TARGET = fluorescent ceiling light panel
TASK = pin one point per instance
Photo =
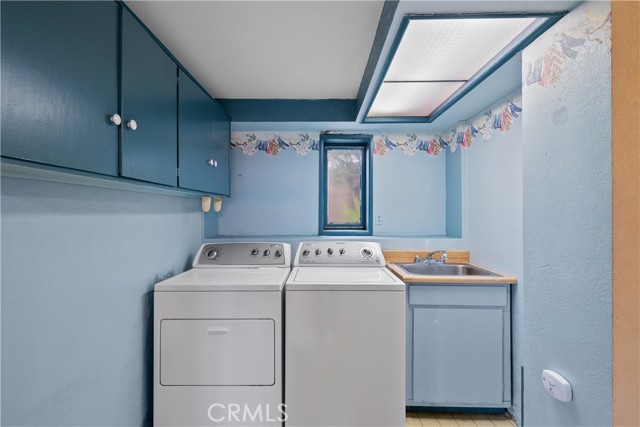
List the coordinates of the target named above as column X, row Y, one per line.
column 438, row 59
column 451, row 49
column 411, row 99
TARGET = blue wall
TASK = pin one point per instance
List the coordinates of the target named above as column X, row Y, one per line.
column 271, row 195
column 278, row 195
column 78, row 266
column 493, row 212
column 567, row 228
column 454, row 193
column 410, row 194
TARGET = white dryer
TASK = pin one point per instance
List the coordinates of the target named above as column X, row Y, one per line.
column 218, row 338
column 345, row 337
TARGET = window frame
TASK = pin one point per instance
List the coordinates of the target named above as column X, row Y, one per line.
column 344, row 142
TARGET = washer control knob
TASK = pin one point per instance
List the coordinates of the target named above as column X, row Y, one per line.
column 367, row 253
column 278, row 254
column 305, row 252
column 318, row 252
column 330, row 251
column 341, row 251
column 212, row 253
column 266, row 252
column 255, row 252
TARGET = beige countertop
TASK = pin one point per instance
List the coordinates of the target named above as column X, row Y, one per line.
column 454, row 256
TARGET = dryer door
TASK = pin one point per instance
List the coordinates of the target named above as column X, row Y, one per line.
column 215, row 352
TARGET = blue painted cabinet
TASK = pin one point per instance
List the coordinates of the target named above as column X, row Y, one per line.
column 203, row 140
column 459, row 345
column 86, row 87
column 60, row 83
column 148, row 147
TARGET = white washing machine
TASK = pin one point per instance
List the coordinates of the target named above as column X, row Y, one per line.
column 345, row 337
column 218, row 338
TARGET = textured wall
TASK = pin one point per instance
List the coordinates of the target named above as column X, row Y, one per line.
column 567, row 218
column 454, row 207
column 271, row 195
column 78, row 266
column 493, row 176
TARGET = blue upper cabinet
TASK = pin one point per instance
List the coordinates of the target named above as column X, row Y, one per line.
column 203, row 140
column 221, row 129
column 60, row 83
column 149, row 107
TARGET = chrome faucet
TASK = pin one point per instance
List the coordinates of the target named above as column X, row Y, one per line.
column 429, row 257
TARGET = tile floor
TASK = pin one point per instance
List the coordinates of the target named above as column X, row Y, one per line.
column 433, row 419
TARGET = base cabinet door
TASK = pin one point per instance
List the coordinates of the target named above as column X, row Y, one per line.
column 458, row 356
column 149, row 142
column 60, row 83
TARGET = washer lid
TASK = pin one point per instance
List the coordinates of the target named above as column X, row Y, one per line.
column 236, row 279
column 343, row 279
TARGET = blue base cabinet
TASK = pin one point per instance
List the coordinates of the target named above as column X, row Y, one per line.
column 203, row 140
column 459, row 340
column 60, row 83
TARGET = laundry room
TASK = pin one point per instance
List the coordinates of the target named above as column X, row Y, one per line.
column 364, row 212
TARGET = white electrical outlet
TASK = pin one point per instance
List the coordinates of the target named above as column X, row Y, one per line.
column 379, row 219
column 557, row 386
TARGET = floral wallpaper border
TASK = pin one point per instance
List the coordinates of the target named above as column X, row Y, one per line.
column 546, row 71
column 498, row 117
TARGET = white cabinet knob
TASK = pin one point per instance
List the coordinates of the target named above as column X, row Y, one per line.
column 213, row 163
column 116, row 119
column 131, row 124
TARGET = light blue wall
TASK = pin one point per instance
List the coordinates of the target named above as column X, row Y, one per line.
column 410, row 194
column 271, row 195
column 278, row 195
column 493, row 177
column 78, row 266
column 454, row 193
column 567, row 230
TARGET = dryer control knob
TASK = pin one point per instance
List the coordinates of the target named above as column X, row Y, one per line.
column 318, row 252
column 367, row 253
column 266, row 252
column 278, row 254
column 330, row 251
column 341, row 251
column 212, row 253
column 255, row 252
column 305, row 253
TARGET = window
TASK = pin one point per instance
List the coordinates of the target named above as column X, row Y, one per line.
column 345, row 184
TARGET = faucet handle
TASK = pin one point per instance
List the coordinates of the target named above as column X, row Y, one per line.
column 444, row 257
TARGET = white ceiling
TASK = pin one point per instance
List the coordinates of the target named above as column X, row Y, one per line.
column 268, row 49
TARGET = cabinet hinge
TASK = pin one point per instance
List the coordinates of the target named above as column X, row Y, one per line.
column 178, row 172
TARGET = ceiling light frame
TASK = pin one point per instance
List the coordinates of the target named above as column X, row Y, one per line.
column 543, row 22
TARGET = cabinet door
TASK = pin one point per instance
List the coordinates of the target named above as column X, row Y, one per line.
column 149, row 97
column 60, row 83
column 458, row 356
column 201, row 162
column 221, row 148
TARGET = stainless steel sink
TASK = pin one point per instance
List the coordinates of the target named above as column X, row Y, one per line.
column 426, row 269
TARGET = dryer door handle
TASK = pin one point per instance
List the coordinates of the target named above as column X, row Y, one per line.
column 217, row 330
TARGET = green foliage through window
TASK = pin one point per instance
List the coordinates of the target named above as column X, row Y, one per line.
column 344, row 189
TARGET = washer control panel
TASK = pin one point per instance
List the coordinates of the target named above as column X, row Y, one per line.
column 243, row 254
column 346, row 253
